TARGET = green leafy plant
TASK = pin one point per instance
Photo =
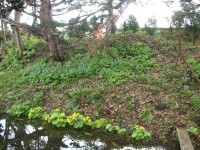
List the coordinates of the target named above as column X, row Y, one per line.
column 192, row 47
column 186, row 93
column 195, row 66
column 35, row 113
column 140, row 133
column 110, row 127
column 57, row 118
column 170, row 102
column 12, row 59
column 115, row 128
column 100, row 123
column 19, row 109
column 132, row 59
column 195, row 101
column 30, row 47
column 193, row 130
column 38, row 96
column 46, row 116
column 78, row 120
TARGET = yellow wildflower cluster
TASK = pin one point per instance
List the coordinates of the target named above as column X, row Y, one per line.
column 34, row 111
column 31, row 111
column 87, row 119
column 60, row 119
column 72, row 117
column 139, row 127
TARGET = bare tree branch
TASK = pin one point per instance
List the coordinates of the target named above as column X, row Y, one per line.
column 31, row 14
column 23, row 26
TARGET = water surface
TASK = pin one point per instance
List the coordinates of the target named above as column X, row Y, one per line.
column 18, row 134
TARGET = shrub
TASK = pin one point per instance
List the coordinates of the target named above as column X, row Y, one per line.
column 19, row 109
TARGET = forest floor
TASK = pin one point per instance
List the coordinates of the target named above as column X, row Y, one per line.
column 143, row 86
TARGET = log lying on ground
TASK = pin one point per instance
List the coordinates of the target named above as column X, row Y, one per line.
column 184, row 139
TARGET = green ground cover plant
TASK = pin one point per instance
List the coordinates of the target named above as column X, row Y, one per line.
column 140, row 133
column 195, row 101
column 193, row 130
column 115, row 70
column 19, row 109
column 195, row 66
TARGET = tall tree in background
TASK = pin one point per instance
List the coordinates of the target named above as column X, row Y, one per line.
column 112, row 7
column 78, row 30
column 150, row 26
column 188, row 18
column 131, row 24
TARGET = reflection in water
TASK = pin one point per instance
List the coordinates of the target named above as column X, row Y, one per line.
column 17, row 134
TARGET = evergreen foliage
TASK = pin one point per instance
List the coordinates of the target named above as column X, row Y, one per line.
column 131, row 24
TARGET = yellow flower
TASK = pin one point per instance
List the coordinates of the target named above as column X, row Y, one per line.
column 60, row 119
column 68, row 120
column 50, row 118
column 136, row 127
column 29, row 115
column 75, row 114
column 31, row 110
column 46, row 118
column 141, row 127
column 56, row 110
column 72, row 117
column 87, row 119
column 39, row 108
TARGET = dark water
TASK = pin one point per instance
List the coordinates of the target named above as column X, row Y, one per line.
column 18, row 134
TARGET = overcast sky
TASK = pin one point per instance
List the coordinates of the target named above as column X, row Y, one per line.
column 155, row 8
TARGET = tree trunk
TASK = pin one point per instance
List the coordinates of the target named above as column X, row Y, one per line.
column 18, row 39
column 34, row 17
column 16, row 35
column 112, row 21
column 4, row 32
column 49, row 32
